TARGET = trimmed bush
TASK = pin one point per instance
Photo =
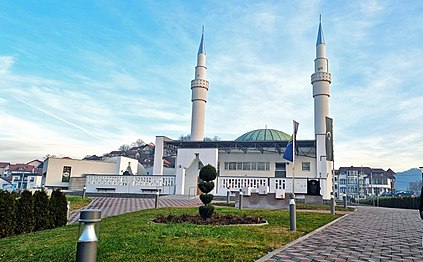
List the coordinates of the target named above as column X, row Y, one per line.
column 25, row 221
column 206, row 211
column 58, row 209
column 206, row 198
column 208, row 173
column 7, row 214
column 408, row 202
column 206, row 185
column 41, row 214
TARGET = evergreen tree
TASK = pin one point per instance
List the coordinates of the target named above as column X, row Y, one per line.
column 7, row 214
column 58, row 209
column 25, row 221
column 41, row 214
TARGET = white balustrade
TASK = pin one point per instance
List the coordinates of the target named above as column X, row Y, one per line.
column 129, row 184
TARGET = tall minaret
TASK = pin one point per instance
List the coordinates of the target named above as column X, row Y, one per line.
column 321, row 80
column 199, row 87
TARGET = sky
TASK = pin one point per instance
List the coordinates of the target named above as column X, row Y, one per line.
column 83, row 77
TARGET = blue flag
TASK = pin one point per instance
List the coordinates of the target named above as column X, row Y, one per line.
column 289, row 150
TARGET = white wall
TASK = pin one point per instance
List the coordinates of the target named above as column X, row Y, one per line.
column 187, row 166
column 53, row 167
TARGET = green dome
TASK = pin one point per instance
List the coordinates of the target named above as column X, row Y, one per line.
column 264, row 135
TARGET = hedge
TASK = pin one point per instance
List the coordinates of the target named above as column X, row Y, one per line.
column 407, row 202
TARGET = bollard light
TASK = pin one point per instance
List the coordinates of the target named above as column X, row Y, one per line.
column 156, row 203
column 86, row 250
column 84, row 190
column 68, row 212
column 240, row 199
column 332, row 204
column 345, row 200
column 228, row 196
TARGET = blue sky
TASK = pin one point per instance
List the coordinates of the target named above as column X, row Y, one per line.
column 84, row 77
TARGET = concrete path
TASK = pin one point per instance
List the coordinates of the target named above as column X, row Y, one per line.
column 111, row 206
column 369, row 234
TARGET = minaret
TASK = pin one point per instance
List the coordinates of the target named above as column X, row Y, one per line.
column 321, row 80
column 199, row 87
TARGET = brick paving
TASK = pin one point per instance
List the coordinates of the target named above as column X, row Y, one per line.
column 369, row 234
column 112, row 206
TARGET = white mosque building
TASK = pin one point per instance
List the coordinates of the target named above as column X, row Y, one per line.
column 254, row 161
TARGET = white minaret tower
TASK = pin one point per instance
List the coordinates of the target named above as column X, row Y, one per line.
column 321, row 80
column 199, row 87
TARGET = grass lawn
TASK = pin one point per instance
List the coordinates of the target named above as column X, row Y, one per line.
column 76, row 202
column 132, row 237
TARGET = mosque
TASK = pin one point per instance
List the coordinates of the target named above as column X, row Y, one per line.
column 254, row 161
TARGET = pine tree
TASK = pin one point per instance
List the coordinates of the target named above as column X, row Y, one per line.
column 7, row 214
column 58, row 209
column 41, row 213
column 25, row 221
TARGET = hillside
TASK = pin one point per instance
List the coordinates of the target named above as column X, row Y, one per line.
column 403, row 179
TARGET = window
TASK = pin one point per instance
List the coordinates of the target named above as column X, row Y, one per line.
column 246, row 166
column 305, row 166
column 280, row 170
column 31, row 179
column 260, row 166
column 66, row 173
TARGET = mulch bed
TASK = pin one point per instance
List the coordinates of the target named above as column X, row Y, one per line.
column 216, row 219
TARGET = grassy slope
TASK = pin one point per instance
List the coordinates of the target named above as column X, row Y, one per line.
column 132, row 237
column 76, row 202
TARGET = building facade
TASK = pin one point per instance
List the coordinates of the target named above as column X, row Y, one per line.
column 358, row 182
column 255, row 159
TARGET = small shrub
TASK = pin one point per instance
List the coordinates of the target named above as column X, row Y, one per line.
column 58, row 209
column 41, row 214
column 7, row 214
column 25, row 220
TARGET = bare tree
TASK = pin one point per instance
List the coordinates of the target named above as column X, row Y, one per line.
column 137, row 143
column 125, row 147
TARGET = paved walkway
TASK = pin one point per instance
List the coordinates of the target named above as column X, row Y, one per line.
column 369, row 234
column 112, row 206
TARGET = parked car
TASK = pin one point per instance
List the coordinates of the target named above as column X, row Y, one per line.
column 405, row 193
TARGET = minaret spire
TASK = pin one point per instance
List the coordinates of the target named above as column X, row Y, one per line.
column 202, row 48
column 320, row 36
column 199, row 87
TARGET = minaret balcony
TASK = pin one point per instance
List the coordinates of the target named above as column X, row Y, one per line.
column 200, row 83
column 321, row 76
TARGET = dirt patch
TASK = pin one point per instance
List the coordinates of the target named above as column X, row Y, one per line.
column 216, row 219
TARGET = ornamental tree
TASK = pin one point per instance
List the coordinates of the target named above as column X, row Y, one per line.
column 207, row 175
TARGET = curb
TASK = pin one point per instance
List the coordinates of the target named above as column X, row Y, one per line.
column 274, row 252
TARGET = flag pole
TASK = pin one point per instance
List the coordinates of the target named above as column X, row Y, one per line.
column 293, row 163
